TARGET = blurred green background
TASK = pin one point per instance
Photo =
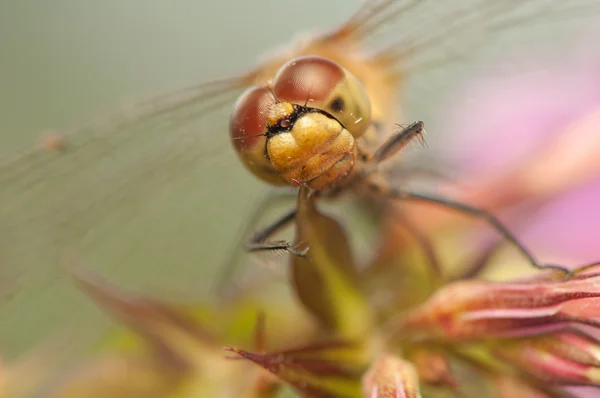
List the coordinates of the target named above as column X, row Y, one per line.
column 67, row 61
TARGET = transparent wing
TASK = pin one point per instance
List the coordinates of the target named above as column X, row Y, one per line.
column 425, row 34
column 435, row 43
column 107, row 195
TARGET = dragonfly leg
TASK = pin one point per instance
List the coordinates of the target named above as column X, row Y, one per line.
column 227, row 269
column 492, row 220
column 259, row 240
column 397, row 141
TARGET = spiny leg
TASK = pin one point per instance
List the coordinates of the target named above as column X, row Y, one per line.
column 397, row 142
column 469, row 210
column 227, row 268
column 259, row 241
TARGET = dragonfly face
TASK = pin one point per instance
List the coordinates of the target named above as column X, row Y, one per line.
column 303, row 127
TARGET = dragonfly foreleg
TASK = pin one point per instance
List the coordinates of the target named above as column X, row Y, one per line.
column 259, row 240
column 227, row 269
column 397, row 141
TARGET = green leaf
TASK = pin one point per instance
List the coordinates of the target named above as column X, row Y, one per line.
column 326, row 279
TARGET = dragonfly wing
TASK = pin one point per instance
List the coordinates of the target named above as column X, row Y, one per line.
column 111, row 194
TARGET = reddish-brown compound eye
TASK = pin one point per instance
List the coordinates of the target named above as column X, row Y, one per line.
column 248, row 119
column 323, row 84
column 247, row 123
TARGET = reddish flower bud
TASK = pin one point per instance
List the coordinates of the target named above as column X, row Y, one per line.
column 472, row 310
column 567, row 358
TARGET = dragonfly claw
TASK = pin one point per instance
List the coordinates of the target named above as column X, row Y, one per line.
column 298, row 252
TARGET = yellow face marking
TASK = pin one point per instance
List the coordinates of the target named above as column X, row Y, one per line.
column 278, row 112
column 317, row 150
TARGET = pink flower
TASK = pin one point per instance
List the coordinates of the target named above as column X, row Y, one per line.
column 473, row 310
column 568, row 358
column 532, row 140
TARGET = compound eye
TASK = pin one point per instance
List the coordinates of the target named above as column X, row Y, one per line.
column 248, row 119
column 320, row 83
column 247, row 126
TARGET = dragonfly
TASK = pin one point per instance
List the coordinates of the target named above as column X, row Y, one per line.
column 72, row 191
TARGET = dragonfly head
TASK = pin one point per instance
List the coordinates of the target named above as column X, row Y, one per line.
column 302, row 128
